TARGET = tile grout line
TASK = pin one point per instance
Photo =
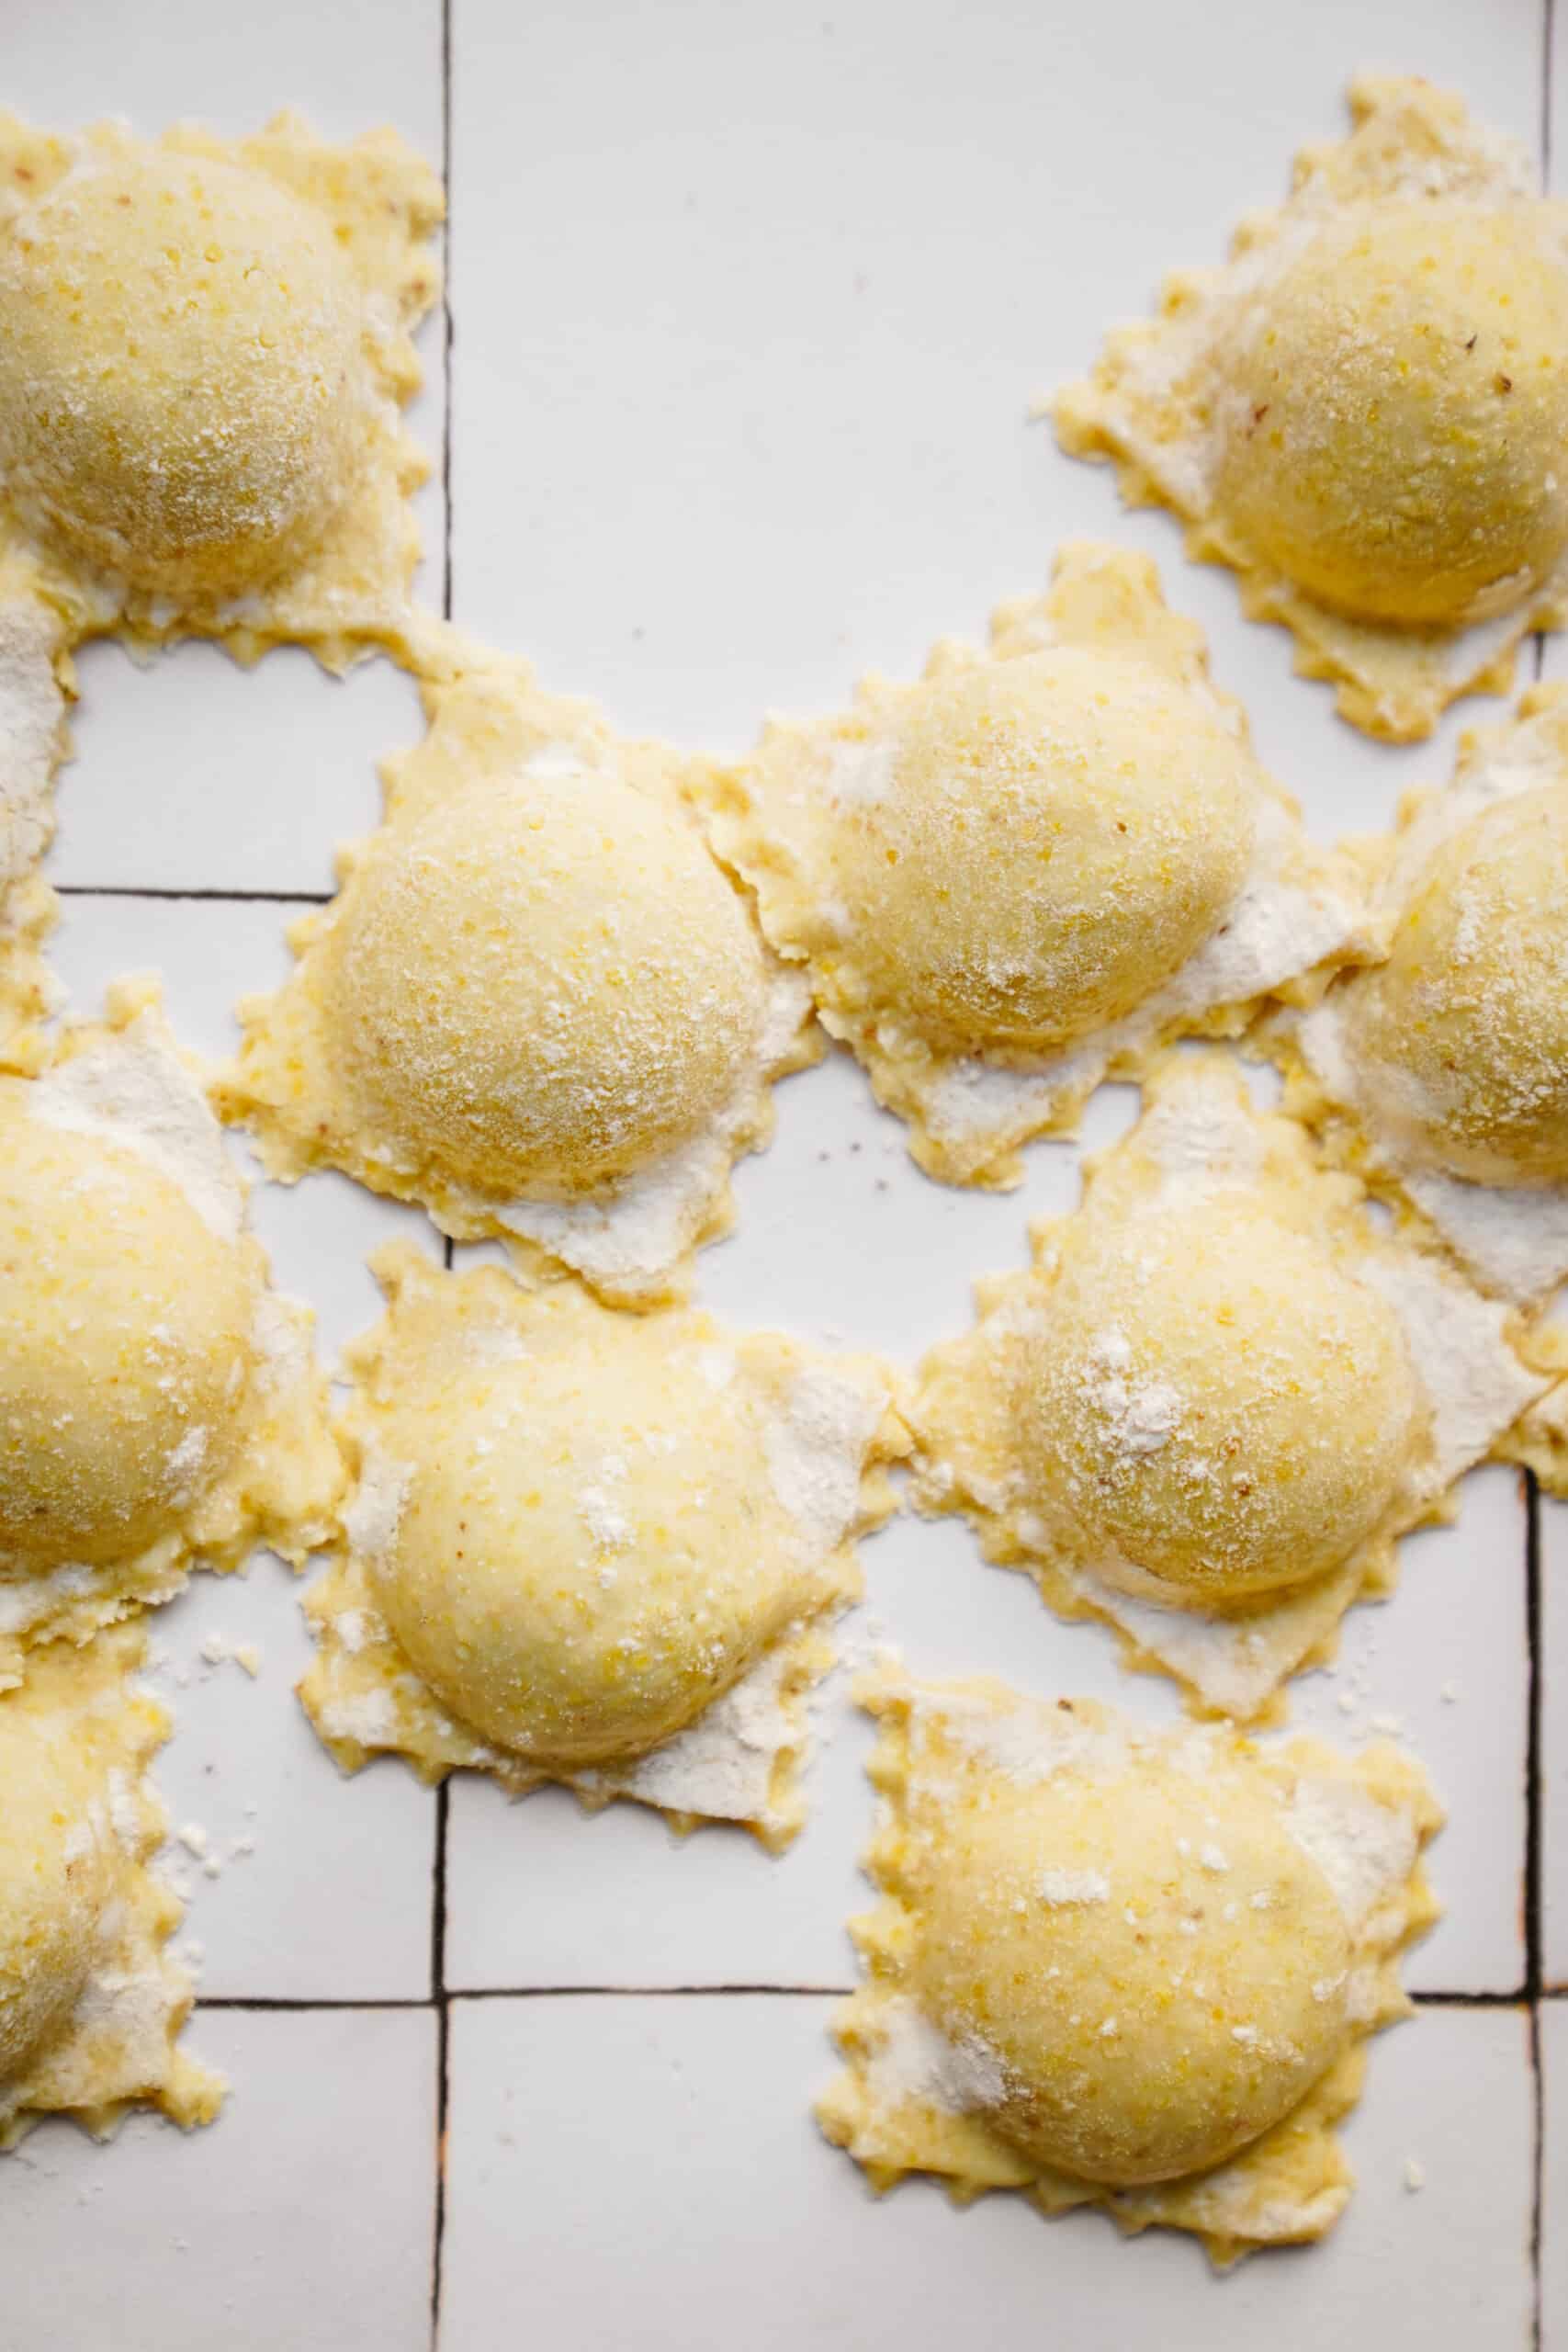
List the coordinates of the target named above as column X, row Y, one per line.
column 150, row 890
column 439, row 1993
column 1533, row 1921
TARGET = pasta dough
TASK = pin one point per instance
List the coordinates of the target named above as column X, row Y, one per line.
column 1442, row 1075
column 205, row 348
column 1029, row 869
column 1217, row 1398
column 35, row 679
column 157, row 1402
column 90, row 2004
column 538, row 1005
column 1363, row 411
column 1123, row 1966
column 593, row 1548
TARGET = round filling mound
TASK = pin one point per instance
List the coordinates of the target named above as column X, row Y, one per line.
column 588, row 1553
column 1463, row 1033
column 1154, row 1967
column 543, row 987
column 1212, row 1396
column 1056, row 836
column 125, row 1347
column 1397, row 408
column 182, row 397
column 53, row 1887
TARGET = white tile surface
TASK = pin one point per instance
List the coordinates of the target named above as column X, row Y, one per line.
column 644, row 2173
column 191, row 774
column 301, row 2219
column 1553, row 1785
column 1554, row 2176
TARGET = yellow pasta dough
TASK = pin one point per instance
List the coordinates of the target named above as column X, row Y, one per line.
column 1217, row 1398
column 204, row 351
column 1121, row 1965
column 1442, row 1074
column 90, row 2005
column 538, row 1005
column 1364, row 410
column 1026, row 870
column 590, row 1547
column 35, row 682
column 157, row 1402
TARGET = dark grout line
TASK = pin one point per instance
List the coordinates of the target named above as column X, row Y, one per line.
column 262, row 2002
column 1518, row 1999
column 1534, row 1969
column 228, row 898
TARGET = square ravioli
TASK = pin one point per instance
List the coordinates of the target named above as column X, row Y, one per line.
column 1218, row 1396
column 91, row 2003
column 1124, row 1967
column 1363, row 411
column 538, row 1004
column 1442, row 1075
column 593, row 1548
column 1028, row 870
column 35, row 682
column 159, row 1405
column 205, row 346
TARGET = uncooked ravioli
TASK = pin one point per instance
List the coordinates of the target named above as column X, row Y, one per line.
column 1364, row 410
column 1218, row 1396
column 90, row 2003
column 590, row 1547
column 203, row 351
column 1024, row 871
column 1123, row 1966
column 1442, row 1074
column 538, row 1005
column 157, row 1402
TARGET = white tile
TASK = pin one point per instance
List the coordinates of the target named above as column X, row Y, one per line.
column 1554, row 2176
column 303, row 2218
column 1553, row 1790
column 192, row 773
column 627, row 2172
column 325, row 1885
column 751, row 417
column 348, row 69
column 1456, row 1626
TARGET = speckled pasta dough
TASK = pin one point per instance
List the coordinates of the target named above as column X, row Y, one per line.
column 204, row 348
column 35, row 682
column 1364, row 410
column 538, row 1004
column 90, row 2002
column 593, row 1548
column 1217, row 1397
column 1442, row 1075
column 1033, row 867
column 1119, row 1966
column 158, row 1402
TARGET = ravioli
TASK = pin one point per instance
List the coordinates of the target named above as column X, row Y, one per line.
column 35, row 679
column 158, row 1403
column 91, row 2003
column 1442, row 1075
column 204, row 348
column 1026, row 871
column 593, row 1548
column 1218, row 1396
column 1123, row 1967
column 537, row 1005
column 1363, row 411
